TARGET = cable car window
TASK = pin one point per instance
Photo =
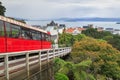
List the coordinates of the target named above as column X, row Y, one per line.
column 36, row 35
column 43, row 36
column 40, row 35
column 8, row 29
column 47, row 37
column 33, row 35
column 1, row 28
column 26, row 34
column 15, row 31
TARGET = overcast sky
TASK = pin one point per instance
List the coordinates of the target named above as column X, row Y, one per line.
column 46, row 9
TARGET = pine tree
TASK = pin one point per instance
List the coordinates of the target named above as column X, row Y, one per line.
column 2, row 9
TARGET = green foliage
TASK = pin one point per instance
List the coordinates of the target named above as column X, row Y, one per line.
column 66, row 39
column 85, row 63
column 2, row 9
column 105, row 58
column 60, row 76
column 114, row 40
column 91, row 32
column 79, row 71
column 114, row 69
column 101, row 77
column 107, row 37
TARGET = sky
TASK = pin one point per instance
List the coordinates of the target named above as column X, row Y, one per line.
column 47, row 9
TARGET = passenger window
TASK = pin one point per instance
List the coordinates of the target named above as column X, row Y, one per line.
column 8, row 30
column 33, row 35
column 47, row 37
column 15, row 31
column 12, row 30
column 40, row 35
column 26, row 34
column 43, row 36
column 1, row 28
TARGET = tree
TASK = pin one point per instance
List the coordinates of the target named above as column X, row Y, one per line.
column 2, row 9
column 112, row 39
column 105, row 58
column 74, row 71
column 115, row 41
column 91, row 32
column 66, row 39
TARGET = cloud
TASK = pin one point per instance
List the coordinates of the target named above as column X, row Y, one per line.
column 43, row 9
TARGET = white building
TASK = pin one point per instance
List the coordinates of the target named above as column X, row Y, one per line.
column 116, row 31
column 55, row 30
column 110, row 30
column 61, row 27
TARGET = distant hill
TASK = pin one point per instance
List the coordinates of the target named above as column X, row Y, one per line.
column 76, row 19
column 90, row 19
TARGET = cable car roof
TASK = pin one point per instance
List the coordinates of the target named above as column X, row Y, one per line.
column 21, row 24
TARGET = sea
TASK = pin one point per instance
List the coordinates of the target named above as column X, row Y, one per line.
column 105, row 25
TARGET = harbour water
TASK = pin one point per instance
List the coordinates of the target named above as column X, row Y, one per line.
column 79, row 24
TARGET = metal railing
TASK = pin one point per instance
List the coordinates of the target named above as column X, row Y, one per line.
column 27, row 59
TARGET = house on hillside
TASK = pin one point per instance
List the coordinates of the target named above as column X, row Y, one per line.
column 61, row 27
column 74, row 31
column 99, row 29
column 55, row 29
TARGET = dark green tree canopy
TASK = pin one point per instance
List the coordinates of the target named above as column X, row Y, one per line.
column 91, row 32
column 2, row 9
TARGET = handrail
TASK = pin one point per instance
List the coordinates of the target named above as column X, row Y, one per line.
column 7, row 65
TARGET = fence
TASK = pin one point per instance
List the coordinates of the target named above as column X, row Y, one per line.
column 16, row 61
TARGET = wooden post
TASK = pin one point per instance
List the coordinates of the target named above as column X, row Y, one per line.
column 63, row 52
column 54, row 53
column 48, row 56
column 40, row 65
column 27, row 64
column 59, row 52
column 47, row 73
column 40, row 60
column 6, row 67
column 66, row 51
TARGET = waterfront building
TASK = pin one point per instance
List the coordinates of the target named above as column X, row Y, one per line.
column 116, row 31
column 110, row 30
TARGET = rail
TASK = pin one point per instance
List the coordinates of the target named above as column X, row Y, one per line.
column 27, row 59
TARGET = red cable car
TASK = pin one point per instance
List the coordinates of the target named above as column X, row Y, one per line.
column 16, row 36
